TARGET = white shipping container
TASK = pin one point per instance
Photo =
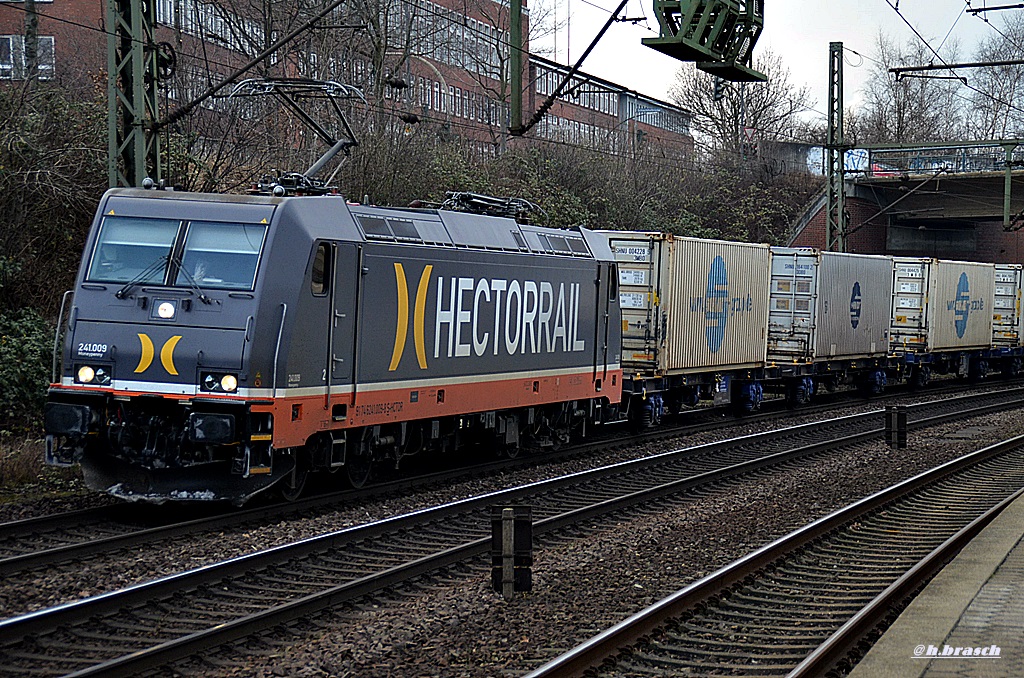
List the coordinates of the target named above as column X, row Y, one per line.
column 941, row 305
column 689, row 304
column 792, row 305
column 1007, row 320
column 828, row 305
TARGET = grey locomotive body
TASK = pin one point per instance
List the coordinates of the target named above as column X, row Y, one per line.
column 218, row 345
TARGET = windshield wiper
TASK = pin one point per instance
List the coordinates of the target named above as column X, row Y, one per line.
column 141, row 277
column 192, row 282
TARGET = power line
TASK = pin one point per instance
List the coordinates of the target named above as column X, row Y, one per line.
column 950, row 31
column 943, row 61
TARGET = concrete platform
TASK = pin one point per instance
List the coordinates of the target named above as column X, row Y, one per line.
column 969, row 620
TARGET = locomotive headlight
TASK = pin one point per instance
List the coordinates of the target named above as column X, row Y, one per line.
column 165, row 310
column 219, row 383
column 88, row 374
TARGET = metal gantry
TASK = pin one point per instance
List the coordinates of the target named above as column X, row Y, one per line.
column 718, row 34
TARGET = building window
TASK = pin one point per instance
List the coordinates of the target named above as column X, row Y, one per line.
column 6, row 57
column 13, row 64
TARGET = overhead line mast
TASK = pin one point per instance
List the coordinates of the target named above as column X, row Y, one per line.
column 835, row 150
column 134, row 64
column 133, row 149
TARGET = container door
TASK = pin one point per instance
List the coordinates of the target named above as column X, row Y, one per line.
column 638, row 299
column 791, row 305
column 909, row 329
column 1006, row 314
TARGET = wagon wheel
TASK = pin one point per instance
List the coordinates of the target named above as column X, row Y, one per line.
column 292, row 485
column 359, row 461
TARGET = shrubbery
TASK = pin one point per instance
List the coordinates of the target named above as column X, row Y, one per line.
column 26, row 349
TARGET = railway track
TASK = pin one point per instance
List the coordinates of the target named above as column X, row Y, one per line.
column 56, row 540
column 805, row 604
column 153, row 624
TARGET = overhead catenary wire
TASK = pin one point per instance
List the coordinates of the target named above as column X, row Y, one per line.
column 896, row 8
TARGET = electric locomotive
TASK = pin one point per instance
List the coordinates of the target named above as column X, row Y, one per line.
column 216, row 346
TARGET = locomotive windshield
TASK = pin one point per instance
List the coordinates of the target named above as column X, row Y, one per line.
column 217, row 255
column 221, row 255
column 133, row 249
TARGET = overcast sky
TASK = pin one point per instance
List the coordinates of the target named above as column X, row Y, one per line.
column 799, row 30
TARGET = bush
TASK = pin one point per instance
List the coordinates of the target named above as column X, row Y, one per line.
column 23, row 473
column 26, row 353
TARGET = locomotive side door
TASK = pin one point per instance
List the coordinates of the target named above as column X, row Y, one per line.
column 345, row 306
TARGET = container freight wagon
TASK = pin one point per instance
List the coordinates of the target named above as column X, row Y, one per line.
column 828, row 317
column 694, row 315
column 942, row 316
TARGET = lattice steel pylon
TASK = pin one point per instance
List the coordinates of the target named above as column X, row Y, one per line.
column 133, row 147
column 835, row 150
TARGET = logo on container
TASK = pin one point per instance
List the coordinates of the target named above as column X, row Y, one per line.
column 855, row 305
column 961, row 306
column 717, row 308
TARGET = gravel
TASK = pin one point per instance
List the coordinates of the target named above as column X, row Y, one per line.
column 584, row 580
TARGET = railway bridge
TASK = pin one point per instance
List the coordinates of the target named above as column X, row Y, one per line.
column 960, row 201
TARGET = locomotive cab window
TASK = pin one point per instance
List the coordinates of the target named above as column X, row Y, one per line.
column 321, row 276
column 131, row 248
column 221, row 255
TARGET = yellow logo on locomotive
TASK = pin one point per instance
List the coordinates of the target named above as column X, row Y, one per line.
column 166, row 354
column 419, row 319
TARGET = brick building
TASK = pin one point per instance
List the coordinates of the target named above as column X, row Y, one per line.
column 449, row 70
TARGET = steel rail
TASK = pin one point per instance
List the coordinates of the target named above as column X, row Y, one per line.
column 602, row 646
column 88, row 544
column 180, row 648
column 65, row 615
column 91, row 545
column 844, row 640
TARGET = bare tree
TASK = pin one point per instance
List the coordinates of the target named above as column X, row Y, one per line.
column 911, row 109
column 996, row 112
column 743, row 112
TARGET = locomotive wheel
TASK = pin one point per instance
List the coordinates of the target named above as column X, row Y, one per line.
column 359, row 463
column 292, row 485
